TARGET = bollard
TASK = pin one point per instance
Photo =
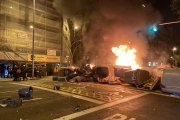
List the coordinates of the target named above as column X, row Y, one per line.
column 25, row 92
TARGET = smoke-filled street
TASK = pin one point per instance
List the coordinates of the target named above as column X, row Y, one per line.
column 89, row 59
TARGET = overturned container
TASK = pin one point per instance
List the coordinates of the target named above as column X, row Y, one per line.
column 25, row 92
column 119, row 71
column 137, row 77
column 101, row 74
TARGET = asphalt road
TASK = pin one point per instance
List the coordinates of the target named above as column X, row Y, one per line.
column 75, row 101
column 147, row 107
column 44, row 105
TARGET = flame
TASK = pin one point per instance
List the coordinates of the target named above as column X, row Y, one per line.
column 126, row 56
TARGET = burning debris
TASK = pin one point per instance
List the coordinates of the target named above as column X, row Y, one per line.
column 126, row 56
column 140, row 78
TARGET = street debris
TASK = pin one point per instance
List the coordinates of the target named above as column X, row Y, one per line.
column 77, row 108
column 60, row 79
column 10, row 102
column 26, row 93
column 156, row 79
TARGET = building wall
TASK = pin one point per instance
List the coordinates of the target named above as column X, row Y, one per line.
column 66, row 42
column 16, row 17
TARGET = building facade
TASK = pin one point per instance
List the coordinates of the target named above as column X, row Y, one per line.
column 16, row 32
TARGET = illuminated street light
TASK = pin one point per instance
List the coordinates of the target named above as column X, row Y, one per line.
column 76, row 27
column 174, row 49
column 31, row 26
column 143, row 5
column 74, row 47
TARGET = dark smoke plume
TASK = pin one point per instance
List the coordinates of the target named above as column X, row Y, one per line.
column 111, row 23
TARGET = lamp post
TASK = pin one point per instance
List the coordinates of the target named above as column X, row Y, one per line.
column 32, row 57
column 174, row 49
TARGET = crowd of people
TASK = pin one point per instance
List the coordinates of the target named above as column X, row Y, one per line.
column 21, row 72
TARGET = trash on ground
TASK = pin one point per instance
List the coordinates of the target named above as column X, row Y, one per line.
column 26, row 92
column 77, row 107
column 10, row 102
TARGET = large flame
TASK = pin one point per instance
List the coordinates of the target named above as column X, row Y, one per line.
column 126, row 56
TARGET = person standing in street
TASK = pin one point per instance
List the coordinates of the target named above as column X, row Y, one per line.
column 15, row 72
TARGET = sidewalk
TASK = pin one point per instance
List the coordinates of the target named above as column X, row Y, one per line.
column 6, row 79
column 49, row 78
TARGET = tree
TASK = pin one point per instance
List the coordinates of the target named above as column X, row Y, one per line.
column 176, row 7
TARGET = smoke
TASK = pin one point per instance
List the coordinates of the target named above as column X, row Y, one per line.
column 77, row 10
column 111, row 23
column 119, row 22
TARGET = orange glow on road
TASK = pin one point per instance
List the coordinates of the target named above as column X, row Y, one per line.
column 126, row 56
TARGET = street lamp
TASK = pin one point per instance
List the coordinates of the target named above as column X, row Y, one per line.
column 32, row 57
column 31, row 26
column 174, row 49
column 76, row 27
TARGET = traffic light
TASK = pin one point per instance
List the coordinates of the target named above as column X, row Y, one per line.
column 152, row 29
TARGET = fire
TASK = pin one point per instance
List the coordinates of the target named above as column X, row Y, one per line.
column 126, row 56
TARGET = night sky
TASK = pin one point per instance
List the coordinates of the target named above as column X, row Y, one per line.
column 164, row 7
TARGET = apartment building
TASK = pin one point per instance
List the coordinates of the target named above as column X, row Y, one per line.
column 16, row 32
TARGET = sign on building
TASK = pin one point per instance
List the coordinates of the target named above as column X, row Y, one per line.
column 51, row 52
column 44, row 58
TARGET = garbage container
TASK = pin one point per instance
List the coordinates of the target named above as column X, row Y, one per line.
column 26, row 92
column 137, row 77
